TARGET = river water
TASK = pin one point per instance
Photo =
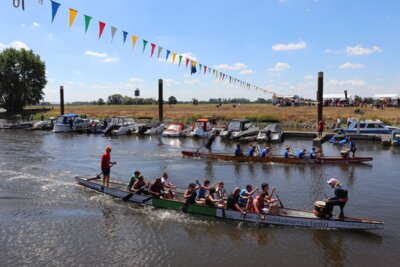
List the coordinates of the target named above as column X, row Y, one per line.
column 46, row 219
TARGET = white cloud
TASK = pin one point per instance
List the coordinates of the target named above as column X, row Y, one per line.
column 279, row 66
column 240, row 67
column 346, row 83
column 110, row 59
column 359, row 50
column 290, row 46
column 349, row 65
column 331, row 51
column 170, row 82
column 35, row 24
column 15, row 44
column 96, row 54
column 192, row 82
column 309, row 77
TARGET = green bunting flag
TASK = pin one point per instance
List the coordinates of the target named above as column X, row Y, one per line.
column 144, row 45
column 180, row 60
column 87, row 22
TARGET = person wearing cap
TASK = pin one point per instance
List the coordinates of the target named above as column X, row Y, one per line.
column 312, row 153
column 238, row 151
column 340, row 198
column 106, row 165
column 135, row 176
column 286, row 152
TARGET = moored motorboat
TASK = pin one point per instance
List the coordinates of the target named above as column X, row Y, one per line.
column 201, row 128
column 277, row 158
column 271, row 133
column 367, row 127
column 176, row 129
column 70, row 123
column 284, row 216
column 241, row 129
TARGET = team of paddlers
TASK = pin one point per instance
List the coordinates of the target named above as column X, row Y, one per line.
column 244, row 200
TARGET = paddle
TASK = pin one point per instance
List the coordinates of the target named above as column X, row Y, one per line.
column 262, row 221
column 280, row 202
column 98, row 175
column 128, row 196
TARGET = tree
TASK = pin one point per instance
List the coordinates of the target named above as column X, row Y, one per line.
column 100, row 101
column 172, row 100
column 22, row 79
column 115, row 99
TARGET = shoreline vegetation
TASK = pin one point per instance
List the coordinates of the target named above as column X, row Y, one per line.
column 288, row 117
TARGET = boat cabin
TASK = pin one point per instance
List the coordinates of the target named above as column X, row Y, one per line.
column 204, row 124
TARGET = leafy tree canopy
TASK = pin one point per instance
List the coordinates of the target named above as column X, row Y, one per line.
column 22, row 79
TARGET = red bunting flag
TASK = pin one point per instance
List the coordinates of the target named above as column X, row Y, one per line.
column 205, row 69
column 187, row 62
column 101, row 25
column 153, row 46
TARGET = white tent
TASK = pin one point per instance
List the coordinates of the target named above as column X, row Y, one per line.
column 340, row 96
column 379, row 96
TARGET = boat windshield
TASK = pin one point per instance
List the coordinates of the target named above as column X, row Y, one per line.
column 175, row 127
column 233, row 126
column 375, row 125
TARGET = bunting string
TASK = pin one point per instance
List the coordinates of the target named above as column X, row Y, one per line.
column 193, row 63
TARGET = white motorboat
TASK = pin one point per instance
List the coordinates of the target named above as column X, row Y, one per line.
column 70, row 123
column 120, row 126
column 272, row 133
column 176, row 129
column 154, row 128
column 201, row 128
column 368, row 127
column 242, row 129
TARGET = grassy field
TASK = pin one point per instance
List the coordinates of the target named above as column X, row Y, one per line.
column 288, row 116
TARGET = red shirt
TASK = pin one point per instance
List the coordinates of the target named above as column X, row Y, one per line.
column 105, row 160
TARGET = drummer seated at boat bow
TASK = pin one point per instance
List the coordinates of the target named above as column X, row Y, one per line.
column 238, row 151
column 340, row 199
column 246, row 197
column 232, row 202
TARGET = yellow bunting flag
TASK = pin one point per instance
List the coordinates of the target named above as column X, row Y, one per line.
column 173, row 57
column 72, row 15
column 134, row 39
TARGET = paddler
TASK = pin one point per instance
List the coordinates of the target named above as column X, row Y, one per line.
column 135, row 176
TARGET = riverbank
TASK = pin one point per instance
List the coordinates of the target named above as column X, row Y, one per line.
column 289, row 117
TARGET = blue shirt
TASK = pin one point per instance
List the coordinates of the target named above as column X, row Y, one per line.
column 300, row 154
column 238, row 152
column 312, row 154
column 285, row 154
column 243, row 194
column 250, row 151
column 264, row 153
column 352, row 145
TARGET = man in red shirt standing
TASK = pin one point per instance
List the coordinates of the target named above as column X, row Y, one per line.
column 106, row 166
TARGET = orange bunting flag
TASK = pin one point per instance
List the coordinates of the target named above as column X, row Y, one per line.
column 216, row 74
column 72, row 15
column 134, row 39
column 187, row 62
column 101, row 25
column 152, row 49
column 173, row 57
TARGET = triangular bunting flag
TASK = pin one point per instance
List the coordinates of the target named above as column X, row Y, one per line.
column 193, row 68
column 199, row 68
column 187, row 62
column 209, row 70
column 180, row 60
column 205, row 69
column 113, row 31
column 173, row 57
column 125, row 34
column 216, row 74
column 144, row 44
column 213, row 71
column 168, row 52
column 87, row 22
column 72, row 15
column 54, row 9
column 159, row 51
column 101, row 26
column 134, row 39
column 153, row 46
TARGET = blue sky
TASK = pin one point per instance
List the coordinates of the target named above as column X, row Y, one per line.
column 277, row 45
